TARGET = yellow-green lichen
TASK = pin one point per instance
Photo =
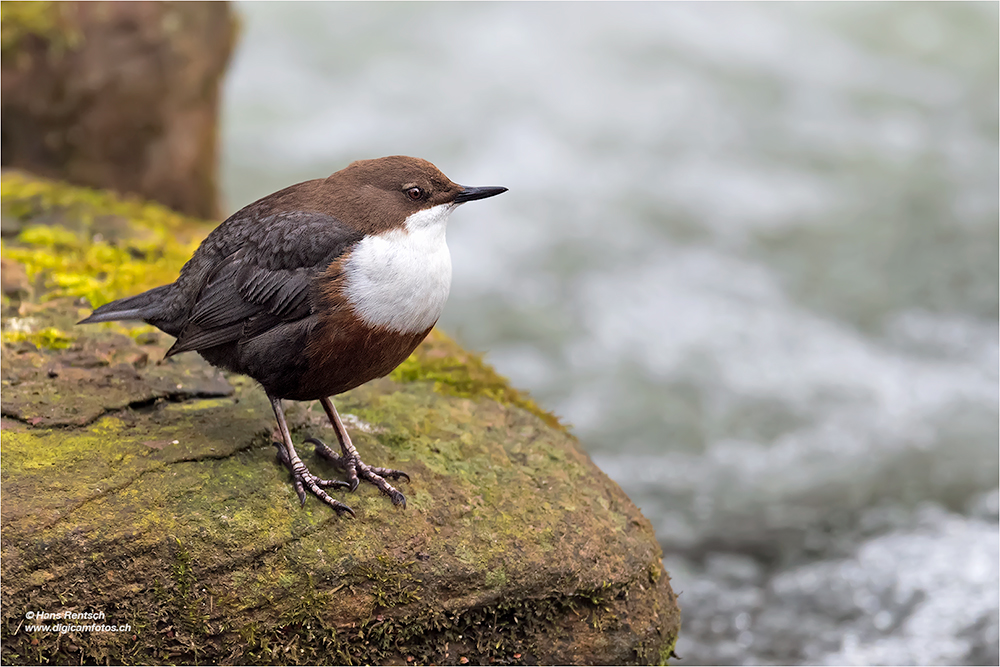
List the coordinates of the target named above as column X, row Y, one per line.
column 46, row 21
column 108, row 248
column 48, row 338
column 143, row 334
column 26, row 196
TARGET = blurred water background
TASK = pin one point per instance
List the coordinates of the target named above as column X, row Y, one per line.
column 749, row 252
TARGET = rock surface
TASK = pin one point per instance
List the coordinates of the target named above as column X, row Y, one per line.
column 122, row 95
column 149, row 490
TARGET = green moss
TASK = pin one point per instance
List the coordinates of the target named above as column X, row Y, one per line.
column 200, row 404
column 26, row 197
column 458, row 372
column 46, row 21
column 184, row 585
column 393, row 585
column 48, row 338
column 143, row 334
column 496, row 578
column 102, row 248
column 667, row 651
column 504, row 633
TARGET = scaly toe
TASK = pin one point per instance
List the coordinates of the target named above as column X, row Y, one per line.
column 316, row 485
column 324, row 450
column 357, row 470
column 389, row 472
column 369, row 475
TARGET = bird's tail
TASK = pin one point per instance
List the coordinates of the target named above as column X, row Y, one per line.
column 139, row 307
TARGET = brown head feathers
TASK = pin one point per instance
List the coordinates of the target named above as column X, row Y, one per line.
column 383, row 192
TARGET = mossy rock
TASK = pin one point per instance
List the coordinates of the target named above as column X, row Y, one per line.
column 149, row 490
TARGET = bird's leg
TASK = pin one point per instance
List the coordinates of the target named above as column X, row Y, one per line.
column 350, row 461
column 301, row 477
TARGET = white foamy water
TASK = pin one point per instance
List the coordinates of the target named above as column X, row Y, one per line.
column 750, row 252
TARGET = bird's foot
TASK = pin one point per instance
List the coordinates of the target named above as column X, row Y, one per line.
column 357, row 470
column 303, row 479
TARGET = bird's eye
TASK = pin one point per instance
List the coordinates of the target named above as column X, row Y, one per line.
column 414, row 193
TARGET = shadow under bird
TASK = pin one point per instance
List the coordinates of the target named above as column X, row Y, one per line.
column 315, row 290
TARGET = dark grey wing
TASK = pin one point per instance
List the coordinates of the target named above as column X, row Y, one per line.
column 266, row 282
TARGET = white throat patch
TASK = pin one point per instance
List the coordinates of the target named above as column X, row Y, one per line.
column 400, row 279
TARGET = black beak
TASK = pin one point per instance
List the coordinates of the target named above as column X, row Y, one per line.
column 472, row 194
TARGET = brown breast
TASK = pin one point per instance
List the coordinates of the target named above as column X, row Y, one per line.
column 343, row 352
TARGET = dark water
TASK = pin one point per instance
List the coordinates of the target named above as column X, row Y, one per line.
column 750, row 252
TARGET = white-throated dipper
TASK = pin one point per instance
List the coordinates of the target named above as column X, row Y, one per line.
column 315, row 290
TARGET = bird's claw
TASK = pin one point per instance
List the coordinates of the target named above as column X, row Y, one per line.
column 357, row 470
column 397, row 498
column 300, row 480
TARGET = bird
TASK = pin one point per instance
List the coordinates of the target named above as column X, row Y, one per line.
column 314, row 290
